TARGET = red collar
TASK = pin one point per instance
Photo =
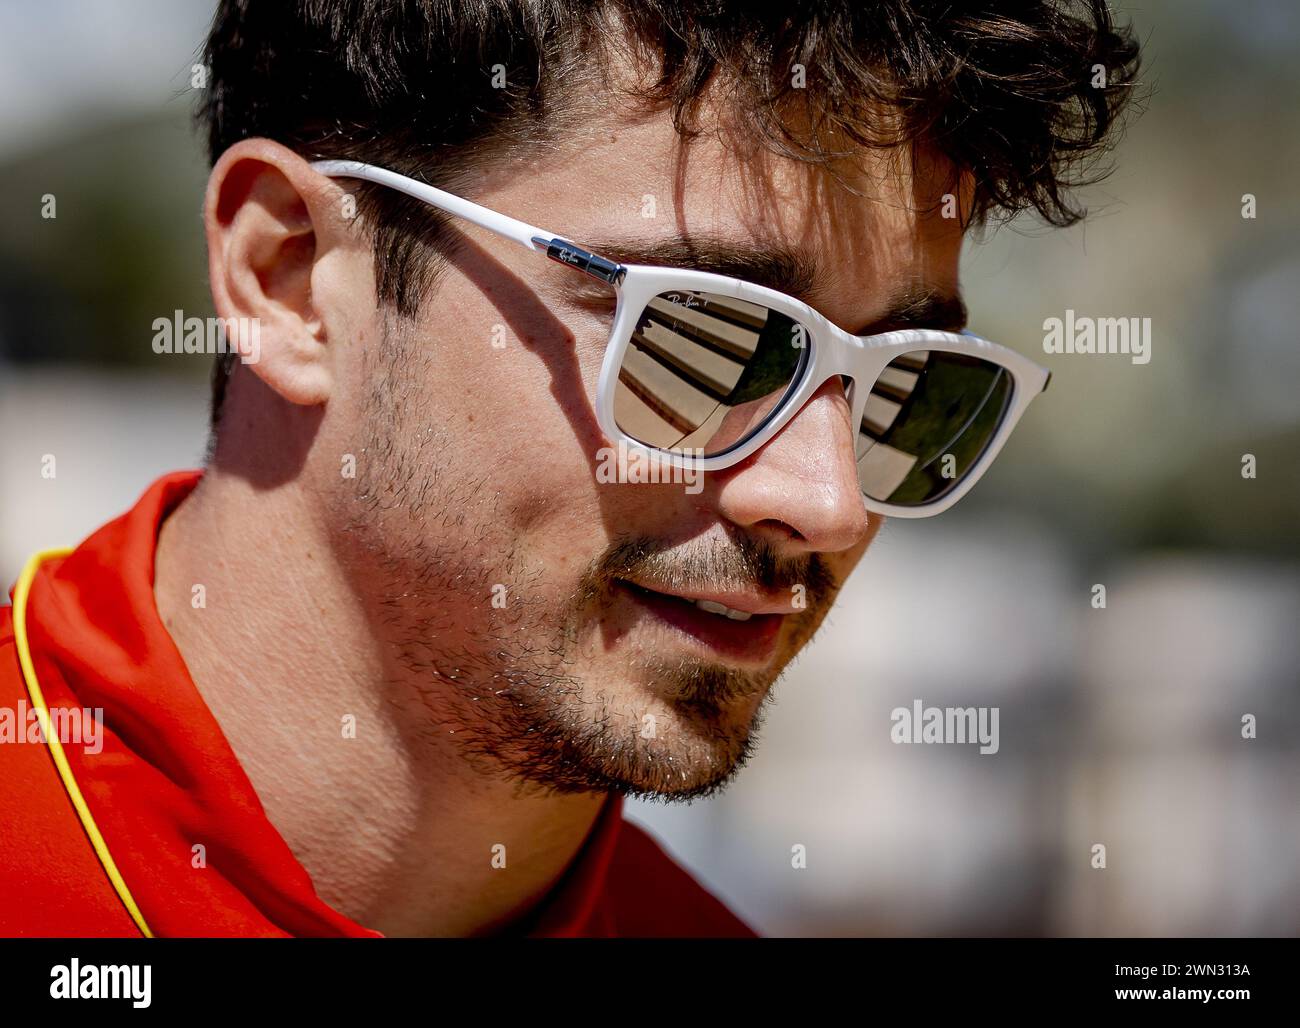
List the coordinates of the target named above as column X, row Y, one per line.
column 166, row 780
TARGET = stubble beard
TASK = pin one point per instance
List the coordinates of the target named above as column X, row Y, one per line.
column 514, row 689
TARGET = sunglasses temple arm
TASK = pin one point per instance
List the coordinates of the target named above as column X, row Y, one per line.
column 529, row 236
column 566, row 253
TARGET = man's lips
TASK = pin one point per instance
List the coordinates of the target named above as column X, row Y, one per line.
column 747, row 635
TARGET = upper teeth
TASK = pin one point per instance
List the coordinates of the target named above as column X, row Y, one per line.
column 718, row 608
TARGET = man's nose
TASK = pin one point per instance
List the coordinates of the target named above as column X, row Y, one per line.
column 800, row 491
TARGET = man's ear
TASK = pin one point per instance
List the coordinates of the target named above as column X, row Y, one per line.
column 265, row 214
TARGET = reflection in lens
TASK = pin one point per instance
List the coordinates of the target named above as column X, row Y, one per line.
column 703, row 372
column 928, row 419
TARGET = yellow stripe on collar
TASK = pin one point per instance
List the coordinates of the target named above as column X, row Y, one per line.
column 21, row 590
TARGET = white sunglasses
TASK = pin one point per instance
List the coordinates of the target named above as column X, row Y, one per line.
column 701, row 370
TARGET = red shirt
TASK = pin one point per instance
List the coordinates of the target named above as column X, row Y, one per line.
column 166, row 779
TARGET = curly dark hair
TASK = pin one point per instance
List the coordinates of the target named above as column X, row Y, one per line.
column 1023, row 95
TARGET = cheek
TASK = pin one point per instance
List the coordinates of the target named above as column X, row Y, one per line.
column 517, row 390
column 507, row 401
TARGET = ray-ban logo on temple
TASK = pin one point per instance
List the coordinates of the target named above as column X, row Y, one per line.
column 208, row 336
column 1079, row 334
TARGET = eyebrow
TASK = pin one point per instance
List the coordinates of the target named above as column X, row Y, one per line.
column 920, row 307
column 787, row 270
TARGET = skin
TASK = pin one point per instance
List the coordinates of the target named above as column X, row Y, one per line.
column 370, row 597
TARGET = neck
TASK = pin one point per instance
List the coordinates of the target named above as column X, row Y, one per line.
column 397, row 830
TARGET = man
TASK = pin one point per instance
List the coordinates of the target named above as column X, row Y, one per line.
column 485, row 541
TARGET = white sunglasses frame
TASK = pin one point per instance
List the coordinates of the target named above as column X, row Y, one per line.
column 832, row 350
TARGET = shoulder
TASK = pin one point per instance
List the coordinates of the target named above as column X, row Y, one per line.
column 50, row 877
column 655, row 897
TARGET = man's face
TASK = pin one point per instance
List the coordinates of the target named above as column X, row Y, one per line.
column 538, row 620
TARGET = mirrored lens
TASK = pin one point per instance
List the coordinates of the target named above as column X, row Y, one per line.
column 928, row 419
column 703, row 372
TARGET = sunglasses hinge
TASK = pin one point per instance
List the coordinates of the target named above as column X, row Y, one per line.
column 564, row 252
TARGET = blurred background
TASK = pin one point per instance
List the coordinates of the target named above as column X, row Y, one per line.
column 1118, row 726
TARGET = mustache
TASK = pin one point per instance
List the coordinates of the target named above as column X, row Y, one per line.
column 743, row 564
